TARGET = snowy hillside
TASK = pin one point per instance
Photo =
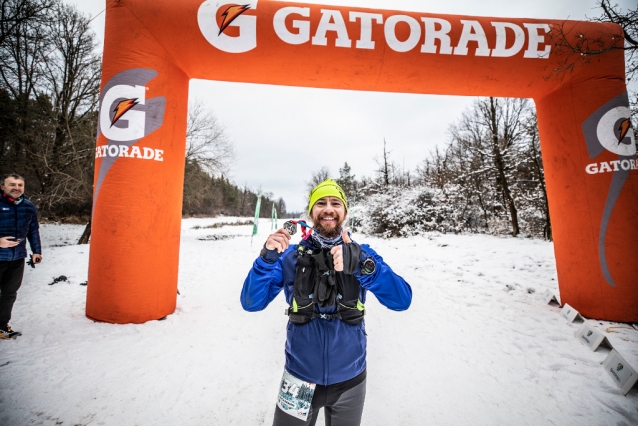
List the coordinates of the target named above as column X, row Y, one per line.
column 478, row 345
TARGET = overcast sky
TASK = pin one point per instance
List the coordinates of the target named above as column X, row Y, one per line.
column 283, row 134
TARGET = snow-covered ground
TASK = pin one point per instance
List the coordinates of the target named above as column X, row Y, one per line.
column 478, row 345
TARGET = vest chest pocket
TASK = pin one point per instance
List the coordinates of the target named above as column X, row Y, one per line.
column 304, row 283
column 348, row 288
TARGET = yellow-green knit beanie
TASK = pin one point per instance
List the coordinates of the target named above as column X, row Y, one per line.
column 327, row 188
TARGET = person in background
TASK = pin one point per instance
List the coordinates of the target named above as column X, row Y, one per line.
column 18, row 223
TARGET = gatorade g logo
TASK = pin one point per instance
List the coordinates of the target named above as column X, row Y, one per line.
column 232, row 16
column 609, row 128
column 125, row 113
column 590, row 333
column 619, row 367
column 126, row 116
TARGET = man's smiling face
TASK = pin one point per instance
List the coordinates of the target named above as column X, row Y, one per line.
column 14, row 188
column 328, row 215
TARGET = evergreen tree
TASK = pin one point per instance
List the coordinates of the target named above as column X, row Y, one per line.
column 347, row 181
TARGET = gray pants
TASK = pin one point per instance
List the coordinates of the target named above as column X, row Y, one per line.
column 342, row 404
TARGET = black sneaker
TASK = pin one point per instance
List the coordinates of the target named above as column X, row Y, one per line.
column 7, row 333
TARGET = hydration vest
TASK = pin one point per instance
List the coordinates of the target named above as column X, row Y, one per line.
column 318, row 284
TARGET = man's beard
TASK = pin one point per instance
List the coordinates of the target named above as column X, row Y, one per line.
column 328, row 233
column 15, row 196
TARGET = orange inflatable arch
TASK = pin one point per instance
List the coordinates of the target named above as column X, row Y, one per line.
column 153, row 47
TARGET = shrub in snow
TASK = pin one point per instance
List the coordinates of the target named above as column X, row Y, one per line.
column 394, row 211
column 400, row 212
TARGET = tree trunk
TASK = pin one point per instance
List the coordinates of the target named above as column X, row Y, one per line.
column 540, row 175
column 547, row 229
column 386, row 178
column 500, row 167
column 86, row 235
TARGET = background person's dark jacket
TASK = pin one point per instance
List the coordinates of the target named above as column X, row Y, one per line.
column 20, row 221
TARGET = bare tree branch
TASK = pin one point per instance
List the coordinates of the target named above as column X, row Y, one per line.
column 207, row 142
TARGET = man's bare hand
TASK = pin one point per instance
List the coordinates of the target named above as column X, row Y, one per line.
column 337, row 251
column 8, row 242
column 37, row 258
column 279, row 240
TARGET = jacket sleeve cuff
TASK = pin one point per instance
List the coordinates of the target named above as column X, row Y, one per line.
column 269, row 256
column 362, row 257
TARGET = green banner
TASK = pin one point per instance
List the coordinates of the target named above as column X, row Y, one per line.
column 256, row 220
column 274, row 217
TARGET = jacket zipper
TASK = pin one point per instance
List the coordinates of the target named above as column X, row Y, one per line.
column 15, row 222
column 325, row 353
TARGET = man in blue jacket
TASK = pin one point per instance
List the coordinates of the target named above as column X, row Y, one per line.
column 18, row 223
column 325, row 279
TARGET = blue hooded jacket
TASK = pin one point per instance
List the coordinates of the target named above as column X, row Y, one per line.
column 20, row 221
column 323, row 351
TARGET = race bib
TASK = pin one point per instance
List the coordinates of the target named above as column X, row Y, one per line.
column 295, row 396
